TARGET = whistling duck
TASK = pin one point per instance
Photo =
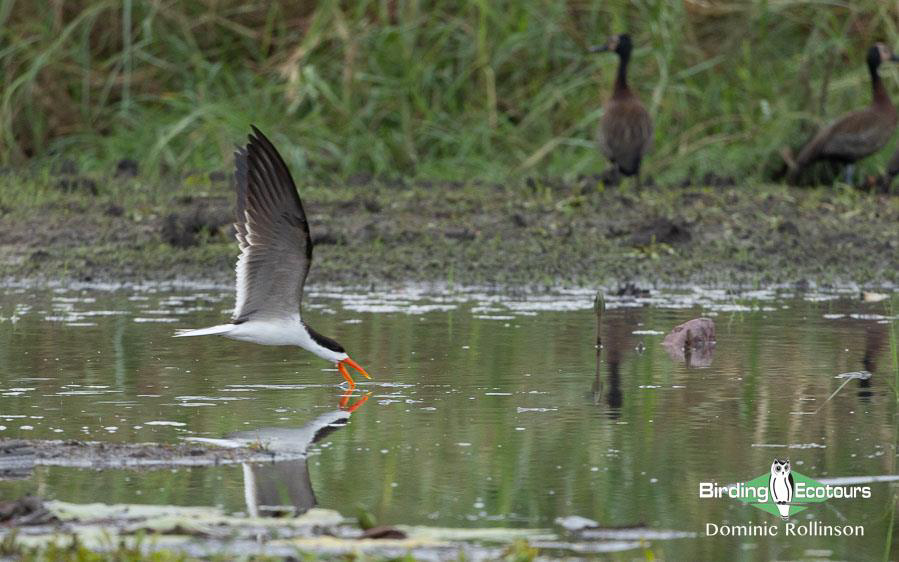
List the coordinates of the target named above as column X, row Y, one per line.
column 625, row 131
column 858, row 134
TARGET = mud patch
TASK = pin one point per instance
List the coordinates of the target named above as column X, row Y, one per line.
column 661, row 231
column 18, row 457
column 199, row 217
column 537, row 232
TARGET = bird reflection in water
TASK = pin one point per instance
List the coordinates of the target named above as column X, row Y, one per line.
column 284, row 488
column 346, row 398
column 875, row 337
column 599, row 306
column 619, row 329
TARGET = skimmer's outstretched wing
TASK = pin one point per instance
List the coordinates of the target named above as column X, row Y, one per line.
column 273, row 234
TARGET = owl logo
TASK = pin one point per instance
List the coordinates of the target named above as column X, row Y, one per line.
column 781, row 486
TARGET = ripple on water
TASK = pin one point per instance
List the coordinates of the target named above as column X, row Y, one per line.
column 467, row 370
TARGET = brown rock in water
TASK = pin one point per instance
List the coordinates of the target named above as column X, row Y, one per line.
column 692, row 342
column 697, row 331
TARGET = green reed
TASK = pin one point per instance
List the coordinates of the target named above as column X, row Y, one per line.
column 427, row 89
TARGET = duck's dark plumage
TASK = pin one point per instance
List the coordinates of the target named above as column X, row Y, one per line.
column 625, row 131
column 860, row 133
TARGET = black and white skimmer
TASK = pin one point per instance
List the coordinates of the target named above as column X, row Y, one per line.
column 275, row 255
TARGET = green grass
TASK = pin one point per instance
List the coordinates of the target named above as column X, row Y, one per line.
column 426, row 89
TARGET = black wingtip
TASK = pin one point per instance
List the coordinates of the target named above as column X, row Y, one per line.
column 257, row 132
column 261, row 155
column 259, row 140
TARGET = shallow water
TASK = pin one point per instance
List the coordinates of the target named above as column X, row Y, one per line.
column 484, row 409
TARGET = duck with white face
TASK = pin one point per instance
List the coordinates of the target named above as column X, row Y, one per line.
column 625, row 130
column 855, row 135
column 275, row 255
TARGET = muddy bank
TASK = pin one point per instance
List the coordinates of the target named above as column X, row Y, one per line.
column 19, row 456
column 533, row 232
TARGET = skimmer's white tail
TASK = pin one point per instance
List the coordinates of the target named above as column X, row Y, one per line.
column 212, row 330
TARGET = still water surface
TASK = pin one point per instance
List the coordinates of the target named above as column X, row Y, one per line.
column 484, row 409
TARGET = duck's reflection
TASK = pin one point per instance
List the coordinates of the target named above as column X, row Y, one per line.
column 284, row 488
column 599, row 307
column 617, row 329
column 875, row 337
column 615, row 398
